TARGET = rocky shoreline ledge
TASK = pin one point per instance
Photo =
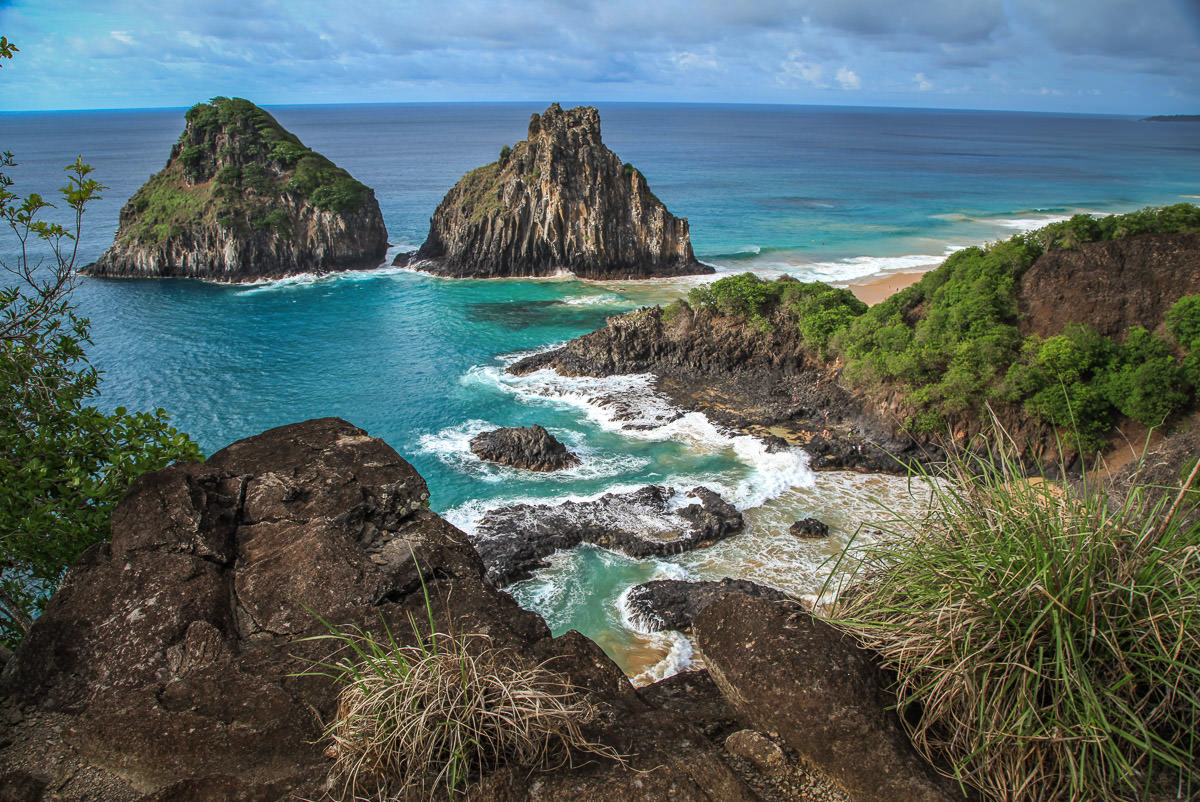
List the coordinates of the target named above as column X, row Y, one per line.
column 171, row 665
column 756, row 380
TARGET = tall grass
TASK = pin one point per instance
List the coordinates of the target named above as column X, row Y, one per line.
column 1046, row 642
column 420, row 721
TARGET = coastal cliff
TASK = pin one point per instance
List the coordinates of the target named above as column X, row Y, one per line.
column 557, row 201
column 241, row 199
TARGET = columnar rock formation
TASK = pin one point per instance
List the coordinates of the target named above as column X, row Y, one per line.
column 241, row 199
column 559, row 200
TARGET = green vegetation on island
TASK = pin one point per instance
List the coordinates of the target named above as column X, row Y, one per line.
column 231, row 166
column 952, row 344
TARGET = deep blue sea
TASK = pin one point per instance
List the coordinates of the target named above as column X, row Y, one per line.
column 839, row 194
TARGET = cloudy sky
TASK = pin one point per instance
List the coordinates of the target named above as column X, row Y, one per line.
column 1104, row 56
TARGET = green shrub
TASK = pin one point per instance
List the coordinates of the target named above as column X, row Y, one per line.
column 1145, row 382
column 505, row 152
column 1183, row 321
column 1046, row 645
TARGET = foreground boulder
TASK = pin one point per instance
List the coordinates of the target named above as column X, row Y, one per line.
column 790, row 673
column 242, row 199
column 559, row 200
column 529, row 447
column 171, row 663
column 515, row 541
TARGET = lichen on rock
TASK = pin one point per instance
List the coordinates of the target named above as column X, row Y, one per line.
column 557, row 201
column 241, row 198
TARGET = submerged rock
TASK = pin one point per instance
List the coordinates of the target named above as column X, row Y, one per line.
column 514, row 541
column 529, row 447
column 242, row 199
column 674, row 603
column 809, row 528
column 559, row 200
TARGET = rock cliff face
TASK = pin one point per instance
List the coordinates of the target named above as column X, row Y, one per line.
column 559, row 200
column 242, row 199
column 1110, row 286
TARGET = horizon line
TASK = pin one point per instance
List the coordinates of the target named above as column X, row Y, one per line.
column 597, row 103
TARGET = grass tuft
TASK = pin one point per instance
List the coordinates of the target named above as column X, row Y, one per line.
column 1046, row 642
column 422, row 721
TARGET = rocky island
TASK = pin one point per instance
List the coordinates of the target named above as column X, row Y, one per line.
column 242, row 199
column 557, row 201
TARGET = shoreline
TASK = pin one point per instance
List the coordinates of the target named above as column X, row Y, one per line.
column 877, row 288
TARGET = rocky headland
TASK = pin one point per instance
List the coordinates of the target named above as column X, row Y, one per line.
column 557, row 201
column 755, row 371
column 174, row 662
column 529, row 447
column 242, row 199
column 752, row 378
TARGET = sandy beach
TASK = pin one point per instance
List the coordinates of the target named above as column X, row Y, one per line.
column 872, row 292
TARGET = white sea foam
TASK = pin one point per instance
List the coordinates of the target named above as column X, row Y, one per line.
column 629, row 405
column 680, row 654
column 607, row 299
column 858, row 267
column 452, row 446
column 1030, row 223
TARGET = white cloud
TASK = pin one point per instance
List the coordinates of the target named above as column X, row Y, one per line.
column 923, row 83
column 793, row 69
column 848, row 78
column 121, row 36
column 691, row 61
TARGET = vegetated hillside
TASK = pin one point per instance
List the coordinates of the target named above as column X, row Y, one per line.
column 242, row 198
column 1009, row 325
column 559, row 200
column 1003, row 326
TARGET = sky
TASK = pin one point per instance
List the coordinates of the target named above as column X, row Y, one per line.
column 1094, row 56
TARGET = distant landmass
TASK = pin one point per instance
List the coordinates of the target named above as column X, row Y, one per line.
column 1173, row 118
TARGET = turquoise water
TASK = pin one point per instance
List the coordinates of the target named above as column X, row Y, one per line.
column 837, row 194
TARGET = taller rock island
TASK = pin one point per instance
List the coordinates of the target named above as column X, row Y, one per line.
column 242, row 199
column 557, row 201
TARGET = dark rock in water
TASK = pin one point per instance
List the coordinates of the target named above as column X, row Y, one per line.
column 776, row 444
column 529, row 447
column 170, row 664
column 774, row 666
column 242, row 199
column 675, row 603
column 514, row 541
column 559, row 200
column 809, row 527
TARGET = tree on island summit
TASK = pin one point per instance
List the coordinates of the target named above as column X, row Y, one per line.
column 64, row 464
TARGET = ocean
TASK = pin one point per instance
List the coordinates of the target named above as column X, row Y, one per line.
column 836, row 194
